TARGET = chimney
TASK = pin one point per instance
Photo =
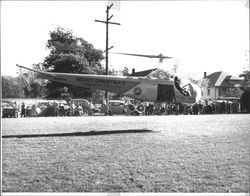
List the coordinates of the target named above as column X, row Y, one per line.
column 205, row 74
column 133, row 70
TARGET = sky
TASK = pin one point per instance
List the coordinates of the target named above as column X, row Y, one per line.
column 201, row 36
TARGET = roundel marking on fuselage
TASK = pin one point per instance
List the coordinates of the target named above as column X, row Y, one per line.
column 137, row 91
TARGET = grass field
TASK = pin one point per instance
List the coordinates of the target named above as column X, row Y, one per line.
column 206, row 153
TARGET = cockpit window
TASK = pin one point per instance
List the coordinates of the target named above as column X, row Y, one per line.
column 182, row 86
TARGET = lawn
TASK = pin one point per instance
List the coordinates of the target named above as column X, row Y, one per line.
column 182, row 154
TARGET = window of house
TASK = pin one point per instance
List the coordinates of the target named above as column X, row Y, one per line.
column 223, row 91
column 208, row 91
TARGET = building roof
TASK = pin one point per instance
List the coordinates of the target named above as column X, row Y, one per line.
column 143, row 73
column 222, row 79
column 213, row 78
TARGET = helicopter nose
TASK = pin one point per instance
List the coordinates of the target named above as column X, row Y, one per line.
column 196, row 92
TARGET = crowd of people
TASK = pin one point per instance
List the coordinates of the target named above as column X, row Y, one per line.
column 52, row 108
column 222, row 107
column 150, row 108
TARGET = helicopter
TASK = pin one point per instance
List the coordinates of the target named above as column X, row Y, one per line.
column 144, row 89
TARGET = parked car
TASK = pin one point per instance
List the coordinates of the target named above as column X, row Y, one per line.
column 8, row 109
column 53, row 108
column 28, row 110
column 98, row 107
column 81, row 107
column 117, row 107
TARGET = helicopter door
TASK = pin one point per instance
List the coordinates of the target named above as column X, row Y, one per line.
column 165, row 93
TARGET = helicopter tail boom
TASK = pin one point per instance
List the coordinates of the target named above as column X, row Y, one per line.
column 113, row 84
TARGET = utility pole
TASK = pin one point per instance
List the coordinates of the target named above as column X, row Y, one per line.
column 107, row 45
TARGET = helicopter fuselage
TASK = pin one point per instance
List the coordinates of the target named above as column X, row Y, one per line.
column 143, row 89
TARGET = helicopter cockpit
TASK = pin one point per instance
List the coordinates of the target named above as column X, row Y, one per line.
column 183, row 86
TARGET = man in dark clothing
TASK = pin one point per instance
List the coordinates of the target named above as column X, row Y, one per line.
column 223, row 107
column 23, row 112
column 245, row 102
column 195, row 108
column 177, row 83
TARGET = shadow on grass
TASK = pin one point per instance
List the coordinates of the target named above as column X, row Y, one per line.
column 89, row 133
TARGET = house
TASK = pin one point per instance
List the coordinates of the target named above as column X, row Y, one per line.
column 142, row 73
column 221, row 86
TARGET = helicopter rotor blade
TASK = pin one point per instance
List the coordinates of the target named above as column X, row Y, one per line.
column 160, row 56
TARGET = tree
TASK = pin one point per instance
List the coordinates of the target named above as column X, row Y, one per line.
column 70, row 54
column 37, row 90
column 11, row 88
column 98, row 96
column 233, row 92
column 245, row 86
column 32, row 86
column 24, row 85
column 204, row 82
column 161, row 74
column 246, row 80
column 125, row 71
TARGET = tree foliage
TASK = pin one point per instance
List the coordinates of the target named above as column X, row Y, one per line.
column 161, row 74
column 32, row 86
column 125, row 71
column 204, row 82
column 11, row 88
column 246, row 80
column 70, row 54
column 24, row 85
column 234, row 92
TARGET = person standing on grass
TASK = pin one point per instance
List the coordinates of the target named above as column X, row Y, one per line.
column 23, row 112
column 72, row 108
column 16, row 109
column 223, row 107
column 55, row 108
